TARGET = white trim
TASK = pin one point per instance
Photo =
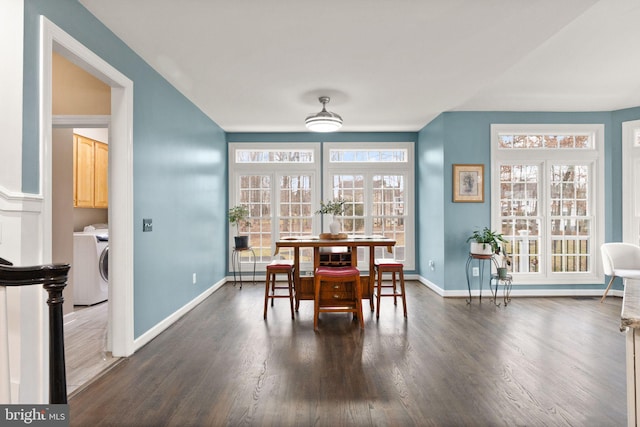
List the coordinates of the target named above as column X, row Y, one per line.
column 81, row 121
column 172, row 318
column 593, row 156
column 120, row 173
column 515, row 292
column 630, row 178
column 19, row 202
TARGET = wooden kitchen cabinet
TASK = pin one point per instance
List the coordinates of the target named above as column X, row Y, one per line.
column 90, row 173
column 101, row 169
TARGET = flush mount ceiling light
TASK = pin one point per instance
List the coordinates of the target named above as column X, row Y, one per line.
column 324, row 121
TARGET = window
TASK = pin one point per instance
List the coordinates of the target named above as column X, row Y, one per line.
column 376, row 180
column 279, row 184
column 544, row 198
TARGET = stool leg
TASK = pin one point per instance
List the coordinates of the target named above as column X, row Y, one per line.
column 273, row 287
column 290, row 280
column 316, row 302
column 372, row 288
column 359, row 302
column 404, row 298
column 395, row 293
column 266, row 294
column 379, row 287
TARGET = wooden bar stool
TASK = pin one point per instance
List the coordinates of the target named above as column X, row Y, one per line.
column 393, row 267
column 343, row 296
column 280, row 266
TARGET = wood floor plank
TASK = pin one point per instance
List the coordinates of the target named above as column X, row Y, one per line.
column 538, row 361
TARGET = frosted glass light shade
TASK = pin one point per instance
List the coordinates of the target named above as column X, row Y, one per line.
column 324, row 121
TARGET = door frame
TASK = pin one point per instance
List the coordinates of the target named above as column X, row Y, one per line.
column 630, row 182
column 53, row 38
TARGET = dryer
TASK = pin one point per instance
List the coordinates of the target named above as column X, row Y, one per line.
column 90, row 267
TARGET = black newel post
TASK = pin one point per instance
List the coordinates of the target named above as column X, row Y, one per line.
column 54, row 279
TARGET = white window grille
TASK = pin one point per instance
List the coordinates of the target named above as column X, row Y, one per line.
column 544, row 197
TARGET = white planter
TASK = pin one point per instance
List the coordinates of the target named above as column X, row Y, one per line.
column 335, row 226
column 480, row 248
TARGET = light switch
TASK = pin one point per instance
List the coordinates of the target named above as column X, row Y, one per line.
column 147, row 224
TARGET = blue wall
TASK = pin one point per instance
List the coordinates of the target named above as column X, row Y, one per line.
column 430, row 182
column 180, row 169
column 464, row 137
column 323, row 137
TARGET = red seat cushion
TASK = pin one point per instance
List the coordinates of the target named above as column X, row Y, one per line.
column 382, row 262
column 280, row 264
column 337, row 271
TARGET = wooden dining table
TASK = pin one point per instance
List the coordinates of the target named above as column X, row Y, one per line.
column 304, row 288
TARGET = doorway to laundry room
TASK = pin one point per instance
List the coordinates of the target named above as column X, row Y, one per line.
column 80, row 216
column 55, row 41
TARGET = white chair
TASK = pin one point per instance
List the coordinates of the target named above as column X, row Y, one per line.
column 620, row 260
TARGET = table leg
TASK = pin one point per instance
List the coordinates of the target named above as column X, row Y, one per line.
column 372, row 262
column 507, row 291
column 296, row 274
column 494, row 295
column 234, row 266
column 254, row 265
column 468, row 281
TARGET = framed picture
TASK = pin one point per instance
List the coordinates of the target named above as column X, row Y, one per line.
column 468, row 185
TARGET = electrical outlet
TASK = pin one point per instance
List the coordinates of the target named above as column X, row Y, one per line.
column 432, row 265
column 475, row 271
column 195, row 279
column 147, row 224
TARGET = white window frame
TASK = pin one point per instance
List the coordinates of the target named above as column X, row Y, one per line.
column 594, row 157
column 630, row 182
column 377, row 168
column 275, row 171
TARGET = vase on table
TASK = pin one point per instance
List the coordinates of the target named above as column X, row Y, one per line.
column 335, row 226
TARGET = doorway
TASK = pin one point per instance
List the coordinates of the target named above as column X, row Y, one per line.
column 120, row 314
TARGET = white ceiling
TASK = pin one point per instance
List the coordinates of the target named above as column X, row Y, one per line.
column 388, row 65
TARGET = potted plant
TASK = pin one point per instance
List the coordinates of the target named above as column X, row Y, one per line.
column 238, row 216
column 485, row 241
column 335, row 208
column 505, row 261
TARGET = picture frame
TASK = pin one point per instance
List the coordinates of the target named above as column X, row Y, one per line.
column 468, row 183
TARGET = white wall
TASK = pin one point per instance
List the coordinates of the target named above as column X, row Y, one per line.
column 11, row 44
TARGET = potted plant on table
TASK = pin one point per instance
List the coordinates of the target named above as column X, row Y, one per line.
column 335, row 208
column 238, row 216
column 485, row 242
column 505, row 262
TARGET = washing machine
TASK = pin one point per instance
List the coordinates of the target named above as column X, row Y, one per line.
column 90, row 266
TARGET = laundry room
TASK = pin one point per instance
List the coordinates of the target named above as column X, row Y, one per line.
column 79, row 162
column 80, row 214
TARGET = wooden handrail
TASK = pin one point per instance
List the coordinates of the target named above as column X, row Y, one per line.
column 53, row 278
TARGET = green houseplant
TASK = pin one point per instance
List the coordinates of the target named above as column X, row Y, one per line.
column 485, row 241
column 335, row 208
column 505, row 261
column 237, row 216
column 332, row 207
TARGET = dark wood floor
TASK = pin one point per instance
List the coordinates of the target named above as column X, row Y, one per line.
column 536, row 362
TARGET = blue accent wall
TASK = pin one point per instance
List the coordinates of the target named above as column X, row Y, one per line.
column 322, row 137
column 464, row 137
column 430, row 185
column 180, row 169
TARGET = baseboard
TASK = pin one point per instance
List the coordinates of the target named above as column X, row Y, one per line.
column 171, row 319
column 515, row 292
